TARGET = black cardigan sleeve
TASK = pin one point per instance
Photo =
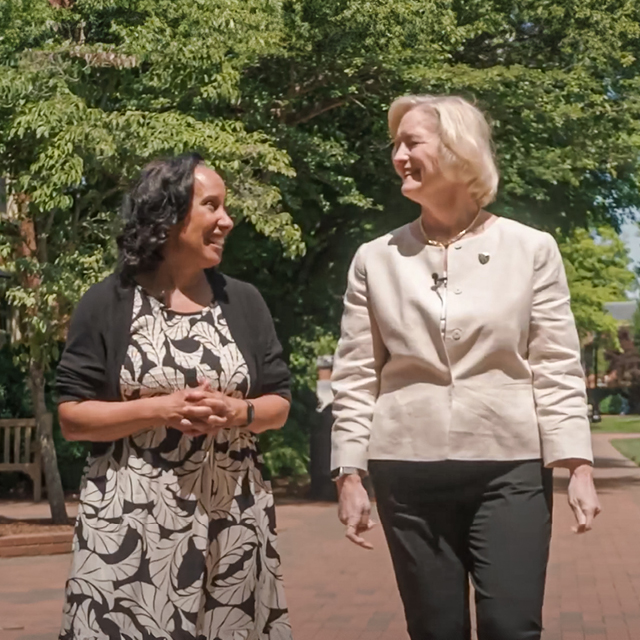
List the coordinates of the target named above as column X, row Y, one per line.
column 275, row 373
column 253, row 329
column 82, row 372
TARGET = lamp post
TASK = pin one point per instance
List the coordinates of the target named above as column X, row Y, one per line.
column 595, row 400
column 322, row 487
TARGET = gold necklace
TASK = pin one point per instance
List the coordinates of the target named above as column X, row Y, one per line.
column 455, row 238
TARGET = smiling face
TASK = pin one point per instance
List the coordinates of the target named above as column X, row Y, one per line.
column 200, row 238
column 416, row 156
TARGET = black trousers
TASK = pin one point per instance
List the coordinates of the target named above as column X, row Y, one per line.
column 446, row 522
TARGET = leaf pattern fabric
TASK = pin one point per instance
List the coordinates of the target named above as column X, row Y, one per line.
column 175, row 537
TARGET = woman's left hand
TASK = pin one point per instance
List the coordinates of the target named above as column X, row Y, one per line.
column 235, row 414
column 582, row 495
column 228, row 411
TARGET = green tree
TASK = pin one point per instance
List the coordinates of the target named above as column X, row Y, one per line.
column 635, row 325
column 558, row 79
column 78, row 118
column 598, row 271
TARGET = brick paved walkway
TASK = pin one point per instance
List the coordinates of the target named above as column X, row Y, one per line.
column 339, row 592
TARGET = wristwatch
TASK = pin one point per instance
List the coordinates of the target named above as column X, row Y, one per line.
column 336, row 474
column 250, row 413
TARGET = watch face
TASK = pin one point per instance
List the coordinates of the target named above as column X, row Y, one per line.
column 343, row 471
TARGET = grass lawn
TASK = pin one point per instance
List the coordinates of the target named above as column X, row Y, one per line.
column 629, row 448
column 619, row 424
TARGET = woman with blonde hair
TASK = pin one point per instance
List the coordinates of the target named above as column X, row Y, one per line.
column 458, row 387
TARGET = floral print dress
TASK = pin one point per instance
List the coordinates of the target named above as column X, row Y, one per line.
column 175, row 537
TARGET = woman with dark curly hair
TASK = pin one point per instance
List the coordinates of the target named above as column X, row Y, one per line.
column 171, row 369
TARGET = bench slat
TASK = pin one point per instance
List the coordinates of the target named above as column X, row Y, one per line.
column 17, row 422
column 16, row 445
column 7, row 435
column 27, row 445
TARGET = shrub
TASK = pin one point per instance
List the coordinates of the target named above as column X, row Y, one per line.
column 612, row 404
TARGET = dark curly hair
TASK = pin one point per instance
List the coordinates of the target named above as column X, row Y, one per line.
column 160, row 199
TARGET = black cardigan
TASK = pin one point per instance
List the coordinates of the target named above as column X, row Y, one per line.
column 99, row 337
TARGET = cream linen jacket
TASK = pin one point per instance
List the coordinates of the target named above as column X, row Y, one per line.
column 504, row 382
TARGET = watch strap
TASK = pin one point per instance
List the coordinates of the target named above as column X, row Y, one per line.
column 250, row 413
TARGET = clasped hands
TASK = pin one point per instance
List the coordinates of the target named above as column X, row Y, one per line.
column 203, row 411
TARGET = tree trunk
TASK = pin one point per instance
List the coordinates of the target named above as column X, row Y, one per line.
column 55, row 494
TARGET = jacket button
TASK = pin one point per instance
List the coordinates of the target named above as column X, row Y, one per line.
column 456, row 334
column 458, row 246
column 458, row 291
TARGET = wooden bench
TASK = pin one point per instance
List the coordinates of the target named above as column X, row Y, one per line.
column 21, row 450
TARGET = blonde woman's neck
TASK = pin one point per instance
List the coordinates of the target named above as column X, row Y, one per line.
column 448, row 215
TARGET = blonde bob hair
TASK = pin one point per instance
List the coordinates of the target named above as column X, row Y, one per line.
column 466, row 153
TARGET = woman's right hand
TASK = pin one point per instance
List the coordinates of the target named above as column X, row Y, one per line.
column 354, row 509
